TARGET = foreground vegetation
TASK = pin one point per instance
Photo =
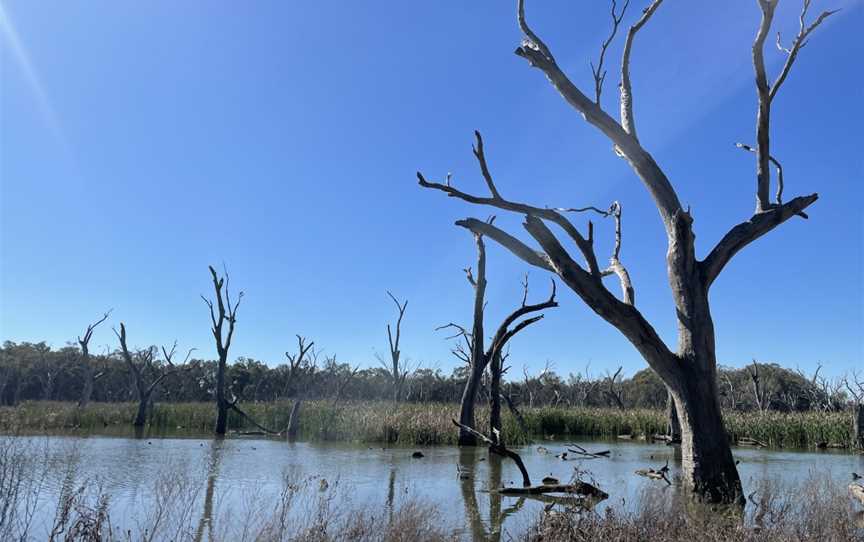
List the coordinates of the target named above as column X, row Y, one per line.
column 817, row 512
column 423, row 424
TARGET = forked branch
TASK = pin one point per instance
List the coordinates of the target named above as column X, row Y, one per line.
column 497, row 201
column 598, row 72
column 539, row 56
column 766, row 92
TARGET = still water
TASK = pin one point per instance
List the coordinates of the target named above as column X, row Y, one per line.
column 231, row 474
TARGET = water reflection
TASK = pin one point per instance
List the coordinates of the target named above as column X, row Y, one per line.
column 206, row 521
column 461, row 484
column 468, row 473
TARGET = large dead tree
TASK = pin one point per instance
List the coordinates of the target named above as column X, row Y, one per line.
column 689, row 371
column 147, row 372
column 478, row 356
column 224, row 311
column 89, row 374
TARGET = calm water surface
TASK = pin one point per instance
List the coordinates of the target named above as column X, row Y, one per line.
column 235, row 472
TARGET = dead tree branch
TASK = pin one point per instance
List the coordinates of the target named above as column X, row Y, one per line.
column 599, row 73
column 628, row 123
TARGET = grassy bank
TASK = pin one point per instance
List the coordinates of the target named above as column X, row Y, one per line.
column 423, row 424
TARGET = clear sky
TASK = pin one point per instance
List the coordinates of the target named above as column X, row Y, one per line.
column 143, row 141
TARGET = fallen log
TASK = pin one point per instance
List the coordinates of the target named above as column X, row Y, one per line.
column 747, row 441
column 578, row 488
column 625, row 437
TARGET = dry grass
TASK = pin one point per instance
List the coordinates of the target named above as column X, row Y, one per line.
column 816, row 512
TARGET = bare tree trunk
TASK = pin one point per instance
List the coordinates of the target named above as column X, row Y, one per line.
column 141, row 415
column 222, row 403
column 707, row 463
column 479, row 357
column 224, row 311
column 673, row 424
column 858, row 429
column 87, row 390
column 466, row 408
column 89, row 372
column 495, row 400
column 294, row 420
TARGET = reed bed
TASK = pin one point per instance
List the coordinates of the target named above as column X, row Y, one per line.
column 421, row 423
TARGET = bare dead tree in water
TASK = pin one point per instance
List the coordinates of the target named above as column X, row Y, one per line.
column 301, row 367
column 613, row 390
column 89, row 373
column 690, row 371
column 760, row 393
column 396, row 367
column 147, row 372
column 223, row 311
column 475, row 352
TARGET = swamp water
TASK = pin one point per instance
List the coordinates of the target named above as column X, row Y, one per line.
column 221, row 488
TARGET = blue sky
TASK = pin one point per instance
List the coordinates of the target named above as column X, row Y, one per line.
column 142, row 142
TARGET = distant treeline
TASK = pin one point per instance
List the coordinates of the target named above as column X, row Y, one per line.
column 32, row 372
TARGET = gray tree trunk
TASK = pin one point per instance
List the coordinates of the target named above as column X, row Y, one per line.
column 707, row 463
column 141, row 415
column 466, row 409
column 495, row 401
column 673, row 427
column 294, row 420
column 858, row 425
column 87, row 390
column 221, row 401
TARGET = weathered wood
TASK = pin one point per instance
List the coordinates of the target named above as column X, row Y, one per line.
column 579, row 450
column 747, row 441
column 294, row 420
column 858, row 425
column 673, row 423
column 857, row 492
column 579, row 488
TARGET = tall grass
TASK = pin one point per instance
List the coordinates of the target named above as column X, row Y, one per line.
column 421, row 423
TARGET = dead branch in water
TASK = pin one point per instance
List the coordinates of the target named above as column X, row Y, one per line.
column 579, row 450
column 578, row 487
column 498, row 448
column 656, row 474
